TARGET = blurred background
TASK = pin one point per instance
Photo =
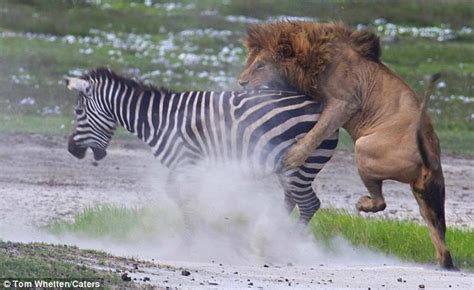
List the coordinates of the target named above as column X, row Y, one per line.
column 198, row 45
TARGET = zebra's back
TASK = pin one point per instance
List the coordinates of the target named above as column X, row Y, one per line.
column 247, row 125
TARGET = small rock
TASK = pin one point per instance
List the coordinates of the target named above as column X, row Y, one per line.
column 135, row 266
column 265, row 266
column 250, row 284
column 236, row 273
column 146, row 279
column 185, row 273
column 421, row 286
column 393, row 211
column 213, row 283
column 125, row 277
column 95, row 163
column 399, row 279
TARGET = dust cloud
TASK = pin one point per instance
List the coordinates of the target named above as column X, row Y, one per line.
column 230, row 214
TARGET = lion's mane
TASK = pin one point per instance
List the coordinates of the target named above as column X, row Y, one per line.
column 305, row 49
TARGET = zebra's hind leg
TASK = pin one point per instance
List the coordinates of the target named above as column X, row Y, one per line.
column 308, row 203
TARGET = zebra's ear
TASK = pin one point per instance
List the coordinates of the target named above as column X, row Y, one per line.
column 77, row 84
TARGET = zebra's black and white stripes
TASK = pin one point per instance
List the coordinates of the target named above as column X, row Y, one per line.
column 182, row 128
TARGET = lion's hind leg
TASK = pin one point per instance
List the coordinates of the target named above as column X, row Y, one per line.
column 430, row 197
column 375, row 202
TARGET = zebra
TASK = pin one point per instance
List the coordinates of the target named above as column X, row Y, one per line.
column 183, row 128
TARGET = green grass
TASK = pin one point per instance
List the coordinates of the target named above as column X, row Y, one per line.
column 404, row 239
column 39, row 260
column 59, row 125
column 452, row 141
column 458, row 142
column 73, row 16
column 113, row 222
column 47, row 61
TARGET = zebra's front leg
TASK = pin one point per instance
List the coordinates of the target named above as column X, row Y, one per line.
column 175, row 192
column 289, row 202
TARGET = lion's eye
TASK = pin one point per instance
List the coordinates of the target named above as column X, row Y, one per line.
column 259, row 65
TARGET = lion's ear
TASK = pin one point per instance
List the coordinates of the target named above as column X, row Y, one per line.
column 285, row 51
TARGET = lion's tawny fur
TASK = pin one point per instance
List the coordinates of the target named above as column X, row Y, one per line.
column 392, row 132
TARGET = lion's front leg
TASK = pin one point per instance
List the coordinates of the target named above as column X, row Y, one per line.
column 335, row 114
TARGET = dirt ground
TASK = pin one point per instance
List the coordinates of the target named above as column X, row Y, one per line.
column 40, row 182
column 43, row 182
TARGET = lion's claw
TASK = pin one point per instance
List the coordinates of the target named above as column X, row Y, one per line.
column 296, row 156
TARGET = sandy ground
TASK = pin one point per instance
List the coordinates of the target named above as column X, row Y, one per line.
column 40, row 182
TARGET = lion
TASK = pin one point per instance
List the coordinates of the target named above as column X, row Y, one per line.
column 392, row 133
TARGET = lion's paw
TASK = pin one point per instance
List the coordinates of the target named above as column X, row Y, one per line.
column 296, row 156
column 367, row 204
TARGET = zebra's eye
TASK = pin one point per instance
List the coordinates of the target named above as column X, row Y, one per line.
column 79, row 111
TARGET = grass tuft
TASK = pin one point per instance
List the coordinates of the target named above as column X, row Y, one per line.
column 404, row 239
column 40, row 260
column 118, row 223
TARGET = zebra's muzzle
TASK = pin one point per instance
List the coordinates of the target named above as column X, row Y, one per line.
column 99, row 153
column 80, row 152
column 76, row 151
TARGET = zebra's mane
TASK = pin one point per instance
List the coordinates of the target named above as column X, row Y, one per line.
column 104, row 72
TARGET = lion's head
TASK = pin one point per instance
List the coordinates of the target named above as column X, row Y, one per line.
column 294, row 54
column 262, row 72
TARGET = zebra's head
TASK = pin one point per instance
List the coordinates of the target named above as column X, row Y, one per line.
column 94, row 124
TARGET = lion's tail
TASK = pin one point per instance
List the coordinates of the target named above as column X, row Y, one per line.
column 430, row 158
